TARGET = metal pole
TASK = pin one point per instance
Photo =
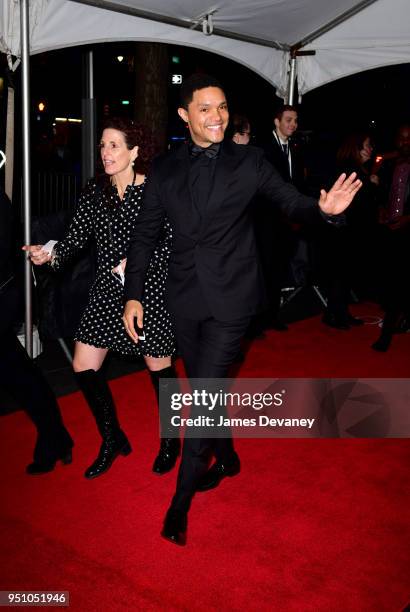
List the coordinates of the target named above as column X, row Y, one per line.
column 9, row 169
column 292, row 79
column 25, row 82
column 88, row 126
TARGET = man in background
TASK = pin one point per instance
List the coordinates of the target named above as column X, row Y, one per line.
column 277, row 241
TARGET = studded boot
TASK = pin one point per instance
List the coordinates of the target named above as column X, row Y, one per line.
column 170, row 447
column 98, row 395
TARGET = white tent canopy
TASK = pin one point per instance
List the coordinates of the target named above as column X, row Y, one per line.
column 347, row 36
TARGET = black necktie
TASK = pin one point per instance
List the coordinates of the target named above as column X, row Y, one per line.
column 285, row 149
column 211, row 151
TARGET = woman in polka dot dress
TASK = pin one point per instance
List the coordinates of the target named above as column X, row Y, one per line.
column 106, row 211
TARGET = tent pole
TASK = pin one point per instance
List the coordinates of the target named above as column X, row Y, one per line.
column 88, row 126
column 9, row 169
column 25, row 82
column 292, row 79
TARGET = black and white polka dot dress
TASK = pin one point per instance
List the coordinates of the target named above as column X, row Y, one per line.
column 102, row 215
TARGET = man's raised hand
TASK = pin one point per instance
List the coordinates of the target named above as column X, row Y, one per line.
column 338, row 198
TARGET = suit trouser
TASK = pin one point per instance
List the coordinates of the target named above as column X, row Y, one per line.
column 208, row 348
column 23, row 379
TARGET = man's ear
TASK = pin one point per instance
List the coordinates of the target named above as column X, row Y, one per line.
column 276, row 122
column 183, row 114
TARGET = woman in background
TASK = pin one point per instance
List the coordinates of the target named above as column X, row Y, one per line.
column 352, row 249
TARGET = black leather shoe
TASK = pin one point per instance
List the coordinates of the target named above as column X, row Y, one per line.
column 106, row 457
column 167, row 456
column 216, row 473
column 382, row 344
column 336, row 322
column 175, row 526
column 37, row 467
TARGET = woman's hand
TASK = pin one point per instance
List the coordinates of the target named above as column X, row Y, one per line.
column 133, row 311
column 37, row 256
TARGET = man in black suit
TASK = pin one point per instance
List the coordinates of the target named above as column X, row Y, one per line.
column 277, row 240
column 214, row 282
column 281, row 151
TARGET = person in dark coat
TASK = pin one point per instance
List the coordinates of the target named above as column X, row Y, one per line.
column 395, row 182
column 19, row 375
column 347, row 256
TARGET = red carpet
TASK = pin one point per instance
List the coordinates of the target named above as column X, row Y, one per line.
column 309, row 525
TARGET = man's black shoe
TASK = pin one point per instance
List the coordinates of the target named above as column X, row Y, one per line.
column 382, row 344
column 216, row 473
column 175, row 526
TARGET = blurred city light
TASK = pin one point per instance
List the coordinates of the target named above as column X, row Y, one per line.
column 125, row 102
column 67, row 119
column 41, row 107
column 120, row 58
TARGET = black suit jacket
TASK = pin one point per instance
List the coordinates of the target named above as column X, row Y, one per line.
column 215, row 247
column 274, row 153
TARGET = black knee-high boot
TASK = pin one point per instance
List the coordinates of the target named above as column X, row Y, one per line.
column 98, row 395
column 170, row 447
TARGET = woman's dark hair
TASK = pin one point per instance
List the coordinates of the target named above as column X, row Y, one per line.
column 238, row 124
column 135, row 134
column 349, row 150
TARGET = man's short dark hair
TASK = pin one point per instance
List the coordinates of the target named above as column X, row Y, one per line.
column 193, row 83
column 282, row 109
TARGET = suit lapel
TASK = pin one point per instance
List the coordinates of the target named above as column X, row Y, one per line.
column 180, row 192
column 182, row 180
